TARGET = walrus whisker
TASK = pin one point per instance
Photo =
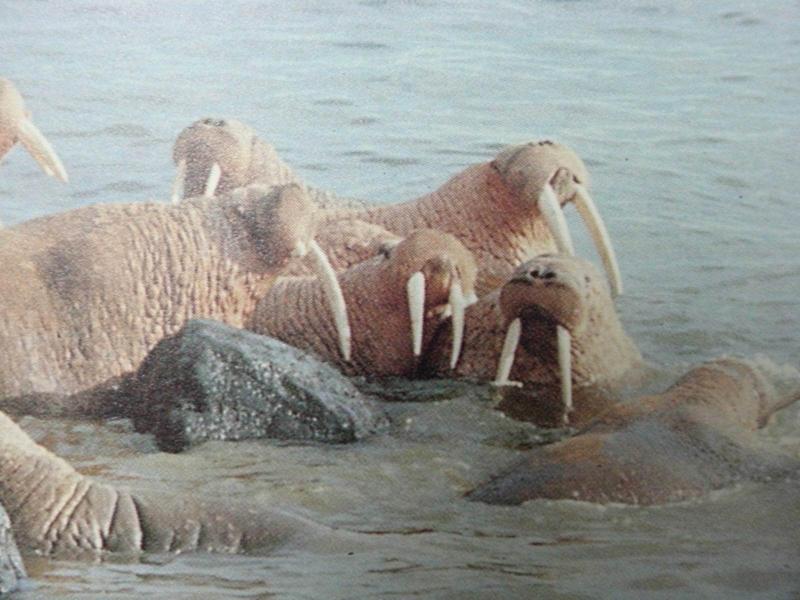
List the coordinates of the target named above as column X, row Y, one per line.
column 415, row 289
column 179, row 182
column 41, row 150
column 212, row 182
column 506, row 361
column 457, row 305
column 565, row 369
column 554, row 215
column 333, row 293
column 602, row 241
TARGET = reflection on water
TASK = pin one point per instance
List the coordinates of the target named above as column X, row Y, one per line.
column 686, row 115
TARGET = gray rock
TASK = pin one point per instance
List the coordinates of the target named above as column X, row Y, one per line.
column 214, row 382
column 11, row 567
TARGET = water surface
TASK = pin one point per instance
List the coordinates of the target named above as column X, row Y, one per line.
column 686, row 114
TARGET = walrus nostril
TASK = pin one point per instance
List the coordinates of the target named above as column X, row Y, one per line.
column 542, row 273
column 214, row 122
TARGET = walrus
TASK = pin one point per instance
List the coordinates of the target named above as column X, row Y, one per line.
column 85, row 294
column 16, row 126
column 695, row 437
column 504, row 211
column 551, row 307
column 56, row 511
column 216, row 156
column 397, row 299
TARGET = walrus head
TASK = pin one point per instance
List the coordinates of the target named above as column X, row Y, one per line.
column 552, row 175
column 437, row 275
column 212, row 155
column 548, row 296
column 16, row 126
column 549, row 288
column 280, row 223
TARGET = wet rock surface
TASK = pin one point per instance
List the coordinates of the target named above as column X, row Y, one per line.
column 11, row 568
column 214, row 382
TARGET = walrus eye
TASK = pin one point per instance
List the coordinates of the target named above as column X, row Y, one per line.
column 587, row 279
column 385, row 250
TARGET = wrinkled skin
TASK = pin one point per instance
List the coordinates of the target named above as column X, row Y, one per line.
column 55, row 510
column 492, row 208
column 695, row 437
column 547, row 291
column 376, row 294
column 84, row 295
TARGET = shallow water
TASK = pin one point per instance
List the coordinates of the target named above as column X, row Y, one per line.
column 686, row 115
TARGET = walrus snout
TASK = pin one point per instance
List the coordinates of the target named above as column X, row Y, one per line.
column 212, row 155
column 549, row 288
column 551, row 175
column 439, row 275
column 542, row 272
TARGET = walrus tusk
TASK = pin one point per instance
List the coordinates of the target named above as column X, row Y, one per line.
column 597, row 229
column 41, row 150
column 213, row 181
column 554, row 215
column 415, row 289
column 179, row 182
column 510, row 344
column 565, row 369
column 333, row 293
column 457, row 305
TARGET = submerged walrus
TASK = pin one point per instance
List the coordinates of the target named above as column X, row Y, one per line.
column 504, row 211
column 695, row 437
column 55, row 510
column 397, row 299
column 16, row 126
column 84, row 295
column 551, row 306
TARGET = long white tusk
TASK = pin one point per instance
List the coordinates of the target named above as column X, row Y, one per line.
column 510, row 344
column 415, row 289
column 457, row 304
column 213, row 181
column 179, row 182
column 565, row 369
column 41, row 150
column 554, row 215
column 597, row 228
column 333, row 293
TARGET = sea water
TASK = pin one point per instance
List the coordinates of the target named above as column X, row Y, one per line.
column 686, row 114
